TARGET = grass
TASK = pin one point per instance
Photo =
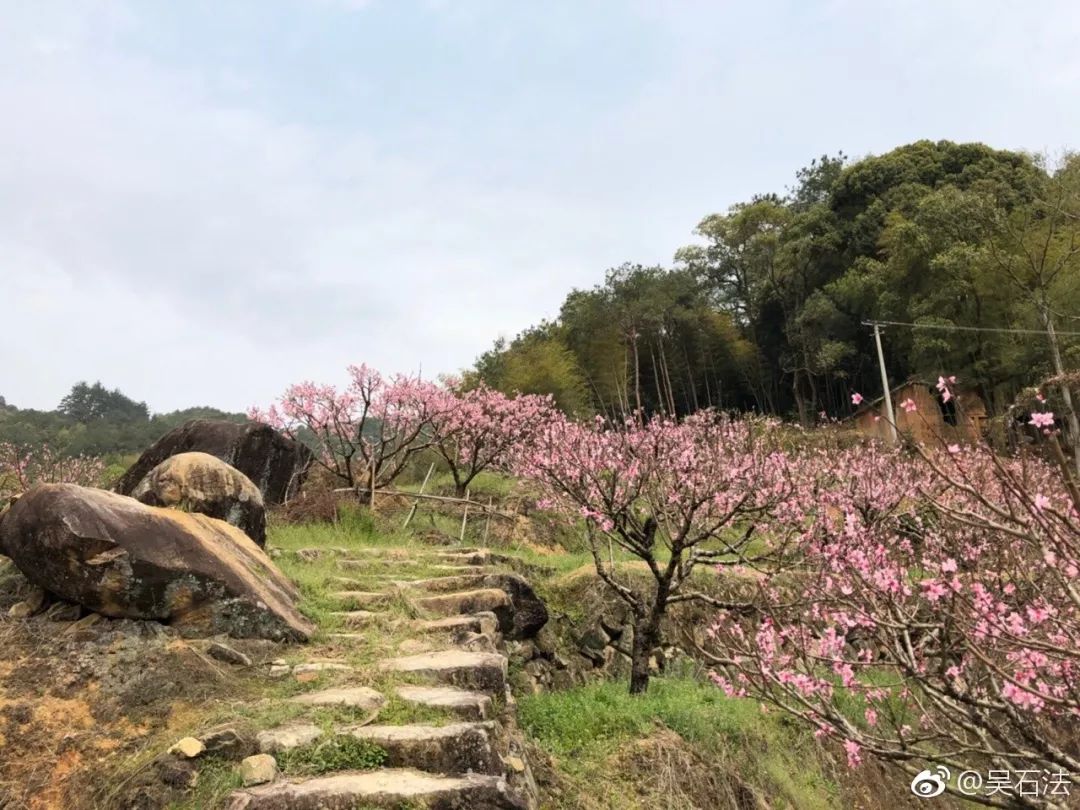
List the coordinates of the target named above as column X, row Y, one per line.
column 486, row 484
column 217, row 778
column 337, row 752
column 586, row 728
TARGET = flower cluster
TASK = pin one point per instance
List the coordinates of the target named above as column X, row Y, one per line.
column 938, row 592
column 479, row 429
column 367, row 432
column 20, row 469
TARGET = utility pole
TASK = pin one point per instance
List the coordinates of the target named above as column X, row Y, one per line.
column 889, row 413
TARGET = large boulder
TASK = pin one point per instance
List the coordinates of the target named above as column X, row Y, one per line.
column 275, row 463
column 200, row 482
column 121, row 558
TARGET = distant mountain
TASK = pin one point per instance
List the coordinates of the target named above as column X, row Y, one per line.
column 94, row 420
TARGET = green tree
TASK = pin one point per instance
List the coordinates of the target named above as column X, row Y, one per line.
column 86, row 403
column 766, row 311
column 536, row 362
column 1037, row 248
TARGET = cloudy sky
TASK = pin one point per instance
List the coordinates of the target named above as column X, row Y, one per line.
column 203, row 201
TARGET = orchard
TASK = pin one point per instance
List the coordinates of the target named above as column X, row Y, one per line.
column 916, row 604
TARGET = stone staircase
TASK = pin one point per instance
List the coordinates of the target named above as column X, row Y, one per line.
column 450, row 611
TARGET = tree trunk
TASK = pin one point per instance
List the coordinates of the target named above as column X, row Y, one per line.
column 1066, row 394
column 656, row 380
column 800, row 403
column 459, row 485
column 637, row 377
column 645, row 640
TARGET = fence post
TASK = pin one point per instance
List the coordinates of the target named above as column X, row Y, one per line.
column 416, row 501
column 464, row 517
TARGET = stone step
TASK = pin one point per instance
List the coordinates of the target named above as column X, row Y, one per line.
column 470, row 670
column 483, row 622
column 390, row 580
column 462, row 702
column 305, row 673
column 312, row 554
column 349, row 637
column 386, row 788
column 368, row 565
column 363, row 599
column 355, row 618
column 362, row 697
column 354, row 584
column 457, row 748
column 492, row 600
column 478, row 556
column 454, row 582
column 523, row 619
column 475, row 642
column 283, row 738
column 321, row 666
column 383, row 552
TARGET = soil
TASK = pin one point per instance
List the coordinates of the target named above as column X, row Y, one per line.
column 84, row 702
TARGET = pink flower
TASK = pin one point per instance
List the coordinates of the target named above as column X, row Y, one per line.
column 909, row 405
column 933, row 590
column 854, row 759
column 856, row 398
column 871, row 717
column 1020, row 697
column 949, row 565
column 1037, row 615
column 954, row 448
column 1041, row 502
column 1042, row 420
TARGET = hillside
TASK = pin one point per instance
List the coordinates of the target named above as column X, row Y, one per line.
column 967, row 253
column 95, row 421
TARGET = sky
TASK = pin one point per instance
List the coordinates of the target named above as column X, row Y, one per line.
column 204, row 201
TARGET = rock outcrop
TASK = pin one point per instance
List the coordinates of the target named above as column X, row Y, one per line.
column 275, row 463
column 121, row 558
column 200, row 482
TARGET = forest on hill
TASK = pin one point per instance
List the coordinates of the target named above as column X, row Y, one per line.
column 93, row 420
column 766, row 311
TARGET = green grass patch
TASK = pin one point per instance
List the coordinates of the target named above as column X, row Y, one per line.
column 584, row 728
column 398, row 712
column 338, row 752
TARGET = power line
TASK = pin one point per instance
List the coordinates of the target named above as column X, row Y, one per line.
column 954, row 328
